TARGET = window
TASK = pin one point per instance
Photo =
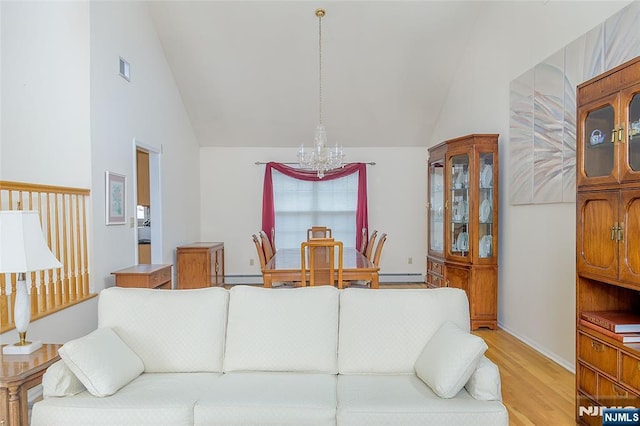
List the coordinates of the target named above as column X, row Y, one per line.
column 300, row 204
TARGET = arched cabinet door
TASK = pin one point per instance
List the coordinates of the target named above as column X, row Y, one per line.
column 596, row 237
column 630, row 145
column 629, row 236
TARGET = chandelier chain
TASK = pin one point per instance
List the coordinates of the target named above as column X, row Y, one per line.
column 320, row 64
column 320, row 158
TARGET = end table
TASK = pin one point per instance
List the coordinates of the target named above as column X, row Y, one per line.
column 20, row 373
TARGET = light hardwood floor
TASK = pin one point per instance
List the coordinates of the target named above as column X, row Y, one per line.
column 536, row 390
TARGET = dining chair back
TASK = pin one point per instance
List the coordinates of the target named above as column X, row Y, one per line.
column 363, row 243
column 371, row 244
column 273, row 239
column 266, row 246
column 319, row 232
column 318, row 256
column 378, row 252
column 260, row 251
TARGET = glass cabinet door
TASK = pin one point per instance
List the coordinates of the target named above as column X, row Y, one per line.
column 599, row 154
column 458, row 213
column 436, row 207
column 486, row 205
column 633, row 147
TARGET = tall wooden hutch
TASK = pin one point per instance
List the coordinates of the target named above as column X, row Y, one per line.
column 462, row 222
column 607, row 236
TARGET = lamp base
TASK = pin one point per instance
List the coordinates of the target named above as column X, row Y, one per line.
column 17, row 349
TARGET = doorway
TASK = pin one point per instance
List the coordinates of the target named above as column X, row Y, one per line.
column 148, row 206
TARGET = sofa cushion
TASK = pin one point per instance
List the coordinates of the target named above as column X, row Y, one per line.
column 484, row 383
column 377, row 400
column 384, row 331
column 449, row 358
column 171, row 330
column 282, row 329
column 59, row 380
column 152, row 399
column 269, row 398
column 101, row 361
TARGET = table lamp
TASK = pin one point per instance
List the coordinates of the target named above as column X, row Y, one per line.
column 22, row 250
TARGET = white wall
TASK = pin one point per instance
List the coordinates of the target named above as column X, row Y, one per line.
column 45, row 131
column 149, row 109
column 231, row 206
column 67, row 117
column 537, row 242
column 45, row 93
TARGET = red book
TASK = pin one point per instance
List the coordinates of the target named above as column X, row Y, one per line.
column 616, row 321
column 622, row 337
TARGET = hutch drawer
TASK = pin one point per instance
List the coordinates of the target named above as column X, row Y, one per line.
column 598, row 354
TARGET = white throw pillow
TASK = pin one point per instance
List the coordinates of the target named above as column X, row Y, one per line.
column 484, row 383
column 448, row 359
column 101, row 361
column 60, row 381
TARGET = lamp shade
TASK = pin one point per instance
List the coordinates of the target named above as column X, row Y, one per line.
column 22, row 245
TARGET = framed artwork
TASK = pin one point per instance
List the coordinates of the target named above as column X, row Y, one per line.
column 116, row 197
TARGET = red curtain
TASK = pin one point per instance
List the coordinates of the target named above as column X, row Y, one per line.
column 362, row 216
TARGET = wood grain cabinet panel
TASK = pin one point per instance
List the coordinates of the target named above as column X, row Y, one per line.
column 598, row 354
column 607, row 235
column 630, row 371
column 200, row 265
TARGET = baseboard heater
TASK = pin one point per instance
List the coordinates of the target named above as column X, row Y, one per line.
column 384, row 278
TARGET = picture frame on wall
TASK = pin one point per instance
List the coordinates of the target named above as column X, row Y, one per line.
column 116, row 187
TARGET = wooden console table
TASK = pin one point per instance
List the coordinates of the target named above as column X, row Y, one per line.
column 19, row 374
column 144, row 276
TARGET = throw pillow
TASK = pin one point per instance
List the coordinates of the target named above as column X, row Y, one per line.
column 448, row 359
column 484, row 383
column 60, row 381
column 101, row 361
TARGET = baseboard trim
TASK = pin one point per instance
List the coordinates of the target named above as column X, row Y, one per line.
column 567, row 365
column 384, row 278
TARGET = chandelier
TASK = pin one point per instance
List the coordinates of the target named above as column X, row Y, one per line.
column 321, row 158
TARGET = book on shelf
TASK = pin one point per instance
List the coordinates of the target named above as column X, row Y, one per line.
column 621, row 337
column 616, row 321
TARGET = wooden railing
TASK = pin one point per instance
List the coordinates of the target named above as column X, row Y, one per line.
column 63, row 215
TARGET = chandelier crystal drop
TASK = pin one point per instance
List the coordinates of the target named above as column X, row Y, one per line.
column 321, row 158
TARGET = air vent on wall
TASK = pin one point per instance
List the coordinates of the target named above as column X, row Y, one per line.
column 125, row 69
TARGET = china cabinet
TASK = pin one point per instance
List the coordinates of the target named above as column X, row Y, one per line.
column 462, row 222
column 607, row 237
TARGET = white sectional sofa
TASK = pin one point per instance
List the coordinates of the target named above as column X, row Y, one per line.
column 255, row 356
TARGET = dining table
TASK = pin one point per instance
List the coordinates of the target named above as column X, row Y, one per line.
column 285, row 266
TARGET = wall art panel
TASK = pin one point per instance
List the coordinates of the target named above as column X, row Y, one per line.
column 548, row 116
column 622, row 36
column 521, row 139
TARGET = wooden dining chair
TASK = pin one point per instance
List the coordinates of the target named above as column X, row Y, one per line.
column 261, row 256
column 371, row 244
column 318, row 256
column 319, row 232
column 363, row 243
column 273, row 239
column 378, row 253
column 266, row 246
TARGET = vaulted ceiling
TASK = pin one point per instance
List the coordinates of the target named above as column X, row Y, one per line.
column 248, row 72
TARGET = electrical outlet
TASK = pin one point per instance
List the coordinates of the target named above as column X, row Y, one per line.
column 410, row 261
column 132, row 222
column 250, row 262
